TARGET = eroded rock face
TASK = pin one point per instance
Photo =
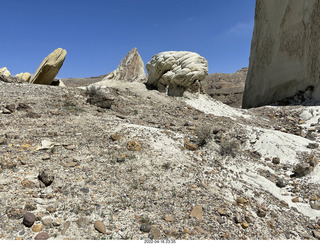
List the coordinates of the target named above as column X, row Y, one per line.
column 175, row 72
column 49, row 67
column 284, row 55
column 131, row 69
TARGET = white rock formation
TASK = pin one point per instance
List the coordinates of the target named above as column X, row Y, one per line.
column 4, row 71
column 25, row 76
column 131, row 69
column 284, row 51
column 175, row 72
column 49, row 67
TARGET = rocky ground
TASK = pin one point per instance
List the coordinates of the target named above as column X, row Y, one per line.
column 124, row 162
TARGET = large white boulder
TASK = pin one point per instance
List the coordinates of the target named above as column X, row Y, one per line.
column 49, row 67
column 285, row 50
column 175, row 72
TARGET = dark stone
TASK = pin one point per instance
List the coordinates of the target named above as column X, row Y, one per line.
column 313, row 145
column 29, row 219
column 84, row 190
column 302, row 169
column 23, row 106
column 281, row 183
column 42, row 236
column 30, row 207
column 145, row 227
column 261, row 213
column 120, row 160
column 46, row 177
column 276, row 160
column 100, row 101
column 11, row 107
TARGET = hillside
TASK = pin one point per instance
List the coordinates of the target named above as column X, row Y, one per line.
column 152, row 166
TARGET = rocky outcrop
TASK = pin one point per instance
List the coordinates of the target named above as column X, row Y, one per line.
column 227, row 88
column 131, row 69
column 4, row 71
column 175, row 72
column 49, row 67
column 284, row 55
column 25, row 76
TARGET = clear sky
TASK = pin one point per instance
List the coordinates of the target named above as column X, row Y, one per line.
column 97, row 34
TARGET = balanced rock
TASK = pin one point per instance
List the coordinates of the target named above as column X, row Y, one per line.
column 131, row 69
column 25, row 76
column 176, row 72
column 4, row 71
column 284, row 56
column 49, row 67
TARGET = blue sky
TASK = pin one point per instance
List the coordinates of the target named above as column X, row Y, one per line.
column 97, row 34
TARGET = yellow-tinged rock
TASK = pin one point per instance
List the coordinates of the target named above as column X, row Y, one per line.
column 37, row 228
column 197, row 212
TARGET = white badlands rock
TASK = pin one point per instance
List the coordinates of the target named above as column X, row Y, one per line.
column 285, row 49
column 175, row 72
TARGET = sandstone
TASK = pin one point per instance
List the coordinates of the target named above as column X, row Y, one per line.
column 37, row 228
column 27, row 183
column 221, row 212
column 175, row 72
column 169, row 218
column 130, row 69
column 197, row 212
column 100, row 226
column 284, row 52
column 25, row 76
column 65, row 227
column 154, row 233
column 5, row 72
column 49, row 67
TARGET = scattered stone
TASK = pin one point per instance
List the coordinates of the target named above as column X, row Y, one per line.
column 221, row 212
column 281, row 183
column 37, row 228
column 42, row 236
column 30, row 206
column 71, row 164
column 284, row 204
column 115, row 137
column 249, row 219
column 302, row 169
column 65, row 227
column 197, row 212
column 24, row 107
column 169, row 218
column 29, row 219
column 154, row 233
column 313, row 145
column 15, row 213
column 69, row 147
column 27, row 184
column 3, row 139
column 84, row 190
column 49, row 67
column 276, row 160
column 261, row 213
column 51, row 209
column 315, row 205
column 134, row 146
column 11, row 108
column 296, row 199
column 82, row 222
column 99, row 226
column 145, row 227
column 237, row 219
column 57, row 222
column 46, row 177
column 241, row 200
column 190, row 146
column 244, row 225
column 47, row 222
column 316, row 234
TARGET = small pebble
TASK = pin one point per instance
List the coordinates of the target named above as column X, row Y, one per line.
column 29, row 219
column 42, row 236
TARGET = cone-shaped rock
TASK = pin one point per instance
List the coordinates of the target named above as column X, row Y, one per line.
column 49, row 67
column 131, row 69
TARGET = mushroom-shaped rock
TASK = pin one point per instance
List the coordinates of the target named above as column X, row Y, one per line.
column 49, row 67
column 175, row 72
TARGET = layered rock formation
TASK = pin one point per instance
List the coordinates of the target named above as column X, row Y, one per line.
column 4, row 71
column 175, row 72
column 284, row 51
column 49, row 67
column 131, row 69
column 25, row 76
